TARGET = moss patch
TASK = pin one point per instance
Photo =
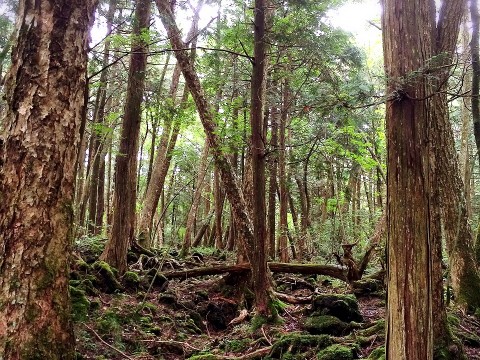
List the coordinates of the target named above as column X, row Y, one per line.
column 338, row 352
column 344, row 307
column 327, row 324
column 299, row 343
column 80, row 304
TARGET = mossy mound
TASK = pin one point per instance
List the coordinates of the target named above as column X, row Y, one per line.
column 368, row 286
column 338, row 352
column 131, row 280
column 327, row 324
column 344, row 307
column 296, row 345
column 377, row 354
column 106, row 277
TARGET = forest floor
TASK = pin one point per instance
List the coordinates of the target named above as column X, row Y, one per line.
column 145, row 316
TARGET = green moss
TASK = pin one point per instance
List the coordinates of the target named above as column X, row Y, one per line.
column 337, row 352
column 237, row 345
column 45, row 345
column 80, row 304
column 131, row 277
column 326, row 324
column 107, row 276
column 377, row 354
column 109, row 324
column 470, row 289
column 453, row 320
column 203, row 357
column 298, row 343
column 378, row 328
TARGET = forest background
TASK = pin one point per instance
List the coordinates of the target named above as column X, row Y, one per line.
column 264, row 142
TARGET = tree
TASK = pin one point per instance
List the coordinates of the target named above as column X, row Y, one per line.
column 235, row 196
column 125, row 197
column 97, row 184
column 415, row 69
column 45, row 95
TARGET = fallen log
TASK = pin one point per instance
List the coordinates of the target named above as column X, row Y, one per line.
column 334, row 271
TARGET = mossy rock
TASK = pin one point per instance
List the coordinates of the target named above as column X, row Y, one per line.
column 156, row 279
column 338, row 352
column 131, row 280
column 327, row 324
column 344, row 307
column 298, row 343
column 80, row 304
column 377, row 354
column 367, row 286
column 167, row 299
column 106, row 277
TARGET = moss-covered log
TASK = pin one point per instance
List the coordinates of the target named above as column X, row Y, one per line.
column 334, row 271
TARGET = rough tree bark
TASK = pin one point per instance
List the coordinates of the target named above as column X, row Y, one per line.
column 125, row 196
column 45, row 97
column 416, row 114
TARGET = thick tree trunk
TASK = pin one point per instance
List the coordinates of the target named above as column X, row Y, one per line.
column 45, row 98
column 410, row 291
column 422, row 170
column 125, row 196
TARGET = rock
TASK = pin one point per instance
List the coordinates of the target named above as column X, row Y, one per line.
column 367, row 287
column 344, row 307
column 131, row 280
column 327, row 324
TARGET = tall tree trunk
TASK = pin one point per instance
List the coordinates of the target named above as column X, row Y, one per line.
column 272, row 186
column 95, row 209
column 45, row 104
column 164, row 153
column 458, row 233
column 219, row 201
column 422, row 169
column 197, row 197
column 282, row 177
column 475, row 93
column 258, row 84
column 125, row 196
column 233, row 192
column 410, row 290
